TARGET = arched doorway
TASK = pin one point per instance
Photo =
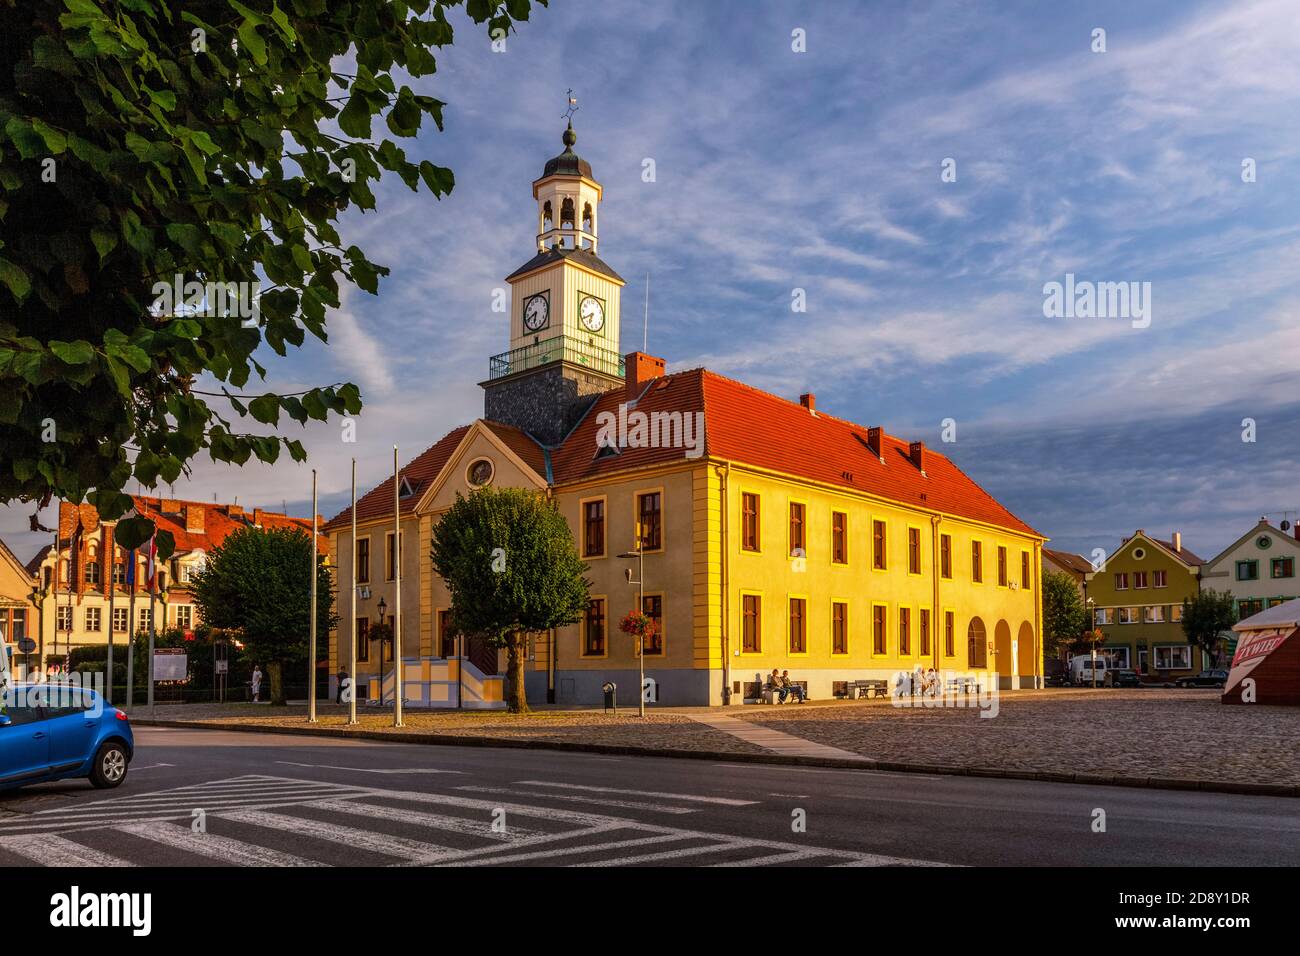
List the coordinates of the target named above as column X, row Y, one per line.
column 976, row 644
column 1027, row 656
column 1004, row 662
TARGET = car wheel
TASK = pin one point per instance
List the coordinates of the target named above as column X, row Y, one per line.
column 109, row 768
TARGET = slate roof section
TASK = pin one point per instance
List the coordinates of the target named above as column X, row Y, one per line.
column 583, row 257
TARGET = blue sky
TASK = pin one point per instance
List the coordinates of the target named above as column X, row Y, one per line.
column 820, row 170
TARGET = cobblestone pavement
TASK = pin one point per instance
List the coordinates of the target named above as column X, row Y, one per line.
column 1143, row 733
column 1146, row 732
column 659, row 731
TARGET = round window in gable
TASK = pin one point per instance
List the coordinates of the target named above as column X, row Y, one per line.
column 1139, row 553
column 479, row 473
column 1263, row 542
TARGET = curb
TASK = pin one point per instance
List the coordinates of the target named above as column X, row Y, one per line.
column 837, row 763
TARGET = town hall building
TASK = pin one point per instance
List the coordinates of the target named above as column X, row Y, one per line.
column 773, row 533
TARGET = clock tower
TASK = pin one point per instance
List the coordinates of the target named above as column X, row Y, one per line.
column 564, row 313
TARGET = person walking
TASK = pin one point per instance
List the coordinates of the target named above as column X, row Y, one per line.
column 256, row 684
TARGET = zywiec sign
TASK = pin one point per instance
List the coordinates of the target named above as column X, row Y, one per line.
column 1257, row 644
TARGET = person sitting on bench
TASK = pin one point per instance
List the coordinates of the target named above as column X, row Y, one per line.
column 788, row 687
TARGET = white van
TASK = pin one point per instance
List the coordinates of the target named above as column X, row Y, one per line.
column 1081, row 670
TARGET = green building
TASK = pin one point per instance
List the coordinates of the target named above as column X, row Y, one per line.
column 1137, row 601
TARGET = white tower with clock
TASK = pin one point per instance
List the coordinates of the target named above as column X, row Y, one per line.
column 564, row 322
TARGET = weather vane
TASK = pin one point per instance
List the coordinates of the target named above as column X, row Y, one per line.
column 573, row 106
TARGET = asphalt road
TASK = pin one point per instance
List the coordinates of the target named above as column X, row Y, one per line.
column 195, row 798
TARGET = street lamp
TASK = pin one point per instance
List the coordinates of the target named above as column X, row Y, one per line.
column 639, row 554
column 383, row 606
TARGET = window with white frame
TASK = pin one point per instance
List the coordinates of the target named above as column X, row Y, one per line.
column 92, row 618
column 146, row 618
column 1160, row 579
column 1103, row 615
column 1128, row 615
column 63, row 617
column 1176, row 613
column 1118, row 657
column 121, row 618
column 1155, row 614
column 1178, row 658
column 1139, row 579
column 1121, row 581
column 185, row 616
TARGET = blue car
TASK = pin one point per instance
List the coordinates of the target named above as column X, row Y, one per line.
column 54, row 732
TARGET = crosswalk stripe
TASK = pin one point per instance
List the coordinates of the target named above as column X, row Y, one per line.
column 553, row 854
column 792, row 857
column 400, row 847
column 189, row 800
column 599, row 801
column 214, row 846
column 665, row 855
column 722, row 801
column 52, row 850
column 522, row 809
column 436, row 821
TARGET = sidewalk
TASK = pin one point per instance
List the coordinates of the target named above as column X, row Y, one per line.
column 1182, row 740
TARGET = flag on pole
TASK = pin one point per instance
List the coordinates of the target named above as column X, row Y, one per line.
column 129, row 558
column 149, row 569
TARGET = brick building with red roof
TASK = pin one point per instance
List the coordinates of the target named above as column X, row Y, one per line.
column 772, row 534
column 86, row 592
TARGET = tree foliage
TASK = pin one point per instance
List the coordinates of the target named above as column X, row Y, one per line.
column 258, row 583
column 1206, row 616
column 511, row 565
column 217, row 141
column 1064, row 616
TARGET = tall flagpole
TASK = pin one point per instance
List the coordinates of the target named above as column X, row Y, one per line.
column 132, row 573
column 352, row 608
column 112, row 594
column 153, row 624
column 311, row 640
column 397, row 597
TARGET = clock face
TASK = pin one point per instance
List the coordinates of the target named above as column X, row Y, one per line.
column 592, row 313
column 537, row 312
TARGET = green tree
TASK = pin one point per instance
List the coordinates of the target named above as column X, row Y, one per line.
column 1205, row 617
column 149, row 142
column 257, row 584
column 1064, row 616
column 509, row 561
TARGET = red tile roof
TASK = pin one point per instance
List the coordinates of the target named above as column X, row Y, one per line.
column 746, row 425
column 422, row 470
column 168, row 514
column 742, row 424
column 1069, row 560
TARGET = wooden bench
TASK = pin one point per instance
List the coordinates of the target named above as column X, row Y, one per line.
column 771, row 695
column 963, row 685
column 868, row 688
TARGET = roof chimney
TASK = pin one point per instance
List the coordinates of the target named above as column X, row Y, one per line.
column 874, row 436
column 638, row 369
column 195, row 518
column 235, row 511
column 809, row 401
column 258, row 514
column 1178, row 541
column 916, row 452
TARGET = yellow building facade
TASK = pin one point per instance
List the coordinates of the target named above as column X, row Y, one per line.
column 764, row 533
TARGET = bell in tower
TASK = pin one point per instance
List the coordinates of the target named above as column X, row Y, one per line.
column 564, row 314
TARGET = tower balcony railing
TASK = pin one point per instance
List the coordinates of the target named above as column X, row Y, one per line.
column 553, row 350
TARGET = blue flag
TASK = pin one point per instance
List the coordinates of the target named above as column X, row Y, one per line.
column 130, row 567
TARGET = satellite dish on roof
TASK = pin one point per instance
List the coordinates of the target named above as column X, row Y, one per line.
column 1285, row 525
